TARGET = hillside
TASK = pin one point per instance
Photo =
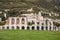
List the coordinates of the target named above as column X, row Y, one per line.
column 46, row 4
column 37, row 5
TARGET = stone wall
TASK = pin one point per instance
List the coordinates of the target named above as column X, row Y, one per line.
column 24, row 27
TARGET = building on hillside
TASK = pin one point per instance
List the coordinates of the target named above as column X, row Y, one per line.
column 32, row 21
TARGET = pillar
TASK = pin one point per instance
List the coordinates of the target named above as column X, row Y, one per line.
column 56, row 29
column 44, row 25
column 48, row 28
column 40, row 28
column 10, row 21
column 44, row 28
column 40, row 25
column 30, row 27
column 25, row 27
column 5, row 27
column 1, row 27
column 35, row 27
column 15, row 27
column 10, row 27
column 20, row 27
column 15, row 21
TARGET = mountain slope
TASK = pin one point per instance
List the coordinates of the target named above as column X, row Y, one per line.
column 37, row 5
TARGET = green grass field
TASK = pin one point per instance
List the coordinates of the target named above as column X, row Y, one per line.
column 29, row 35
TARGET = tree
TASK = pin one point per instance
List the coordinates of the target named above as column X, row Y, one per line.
column 31, row 23
column 12, row 13
column 56, row 24
column 2, row 23
column 3, row 18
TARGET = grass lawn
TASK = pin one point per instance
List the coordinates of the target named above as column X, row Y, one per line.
column 29, row 35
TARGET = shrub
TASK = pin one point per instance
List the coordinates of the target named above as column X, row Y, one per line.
column 56, row 24
column 31, row 23
column 2, row 23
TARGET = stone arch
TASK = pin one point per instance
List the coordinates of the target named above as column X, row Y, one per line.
column 28, row 27
column 17, row 21
column 17, row 18
column 12, row 27
column 37, row 27
column 38, row 23
column 12, row 18
column 33, row 27
column 46, row 28
column 23, row 20
column 23, row 27
column 42, row 28
column 7, row 27
column 18, row 27
column 3, row 27
column 12, row 21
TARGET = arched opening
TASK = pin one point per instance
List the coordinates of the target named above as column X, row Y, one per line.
column 17, row 27
column 23, row 27
column 33, row 27
column 46, row 28
column 37, row 27
column 28, row 28
column 42, row 28
column 42, row 23
column 50, row 23
column 3, row 27
column 12, row 27
column 7, row 27
column 50, row 28
column 23, row 21
column 17, row 18
column 55, row 28
column 12, row 18
column 38, row 23
column 17, row 21
column 12, row 21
